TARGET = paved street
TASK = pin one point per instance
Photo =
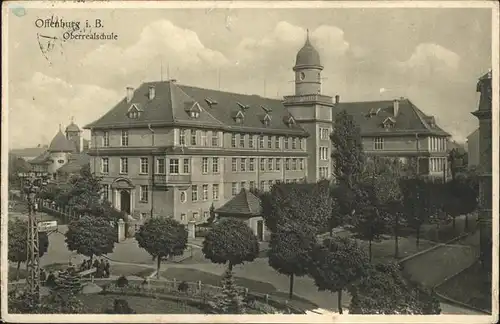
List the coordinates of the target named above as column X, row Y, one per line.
column 439, row 264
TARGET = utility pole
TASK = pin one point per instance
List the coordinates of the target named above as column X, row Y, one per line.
column 32, row 185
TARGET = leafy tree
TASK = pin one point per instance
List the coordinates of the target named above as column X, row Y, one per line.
column 415, row 203
column 336, row 264
column 90, row 236
column 230, row 241
column 369, row 222
column 230, row 301
column 290, row 247
column 297, row 202
column 385, row 174
column 18, row 235
column 17, row 165
column 83, row 192
column 383, row 290
column 162, row 238
column 347, row 152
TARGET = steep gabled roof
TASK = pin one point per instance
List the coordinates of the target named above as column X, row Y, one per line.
column 409, row 119
column 168, row 107
column 245, row 203
column 61, row 144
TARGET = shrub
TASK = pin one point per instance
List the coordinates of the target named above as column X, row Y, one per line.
column 122, row 281
column 183, row 287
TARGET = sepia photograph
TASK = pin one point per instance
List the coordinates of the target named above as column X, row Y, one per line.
column 282, row 160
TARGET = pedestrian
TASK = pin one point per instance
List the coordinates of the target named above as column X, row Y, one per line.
column 43, row 276
column 107, row 269
column 96, row 263
column 35, row 208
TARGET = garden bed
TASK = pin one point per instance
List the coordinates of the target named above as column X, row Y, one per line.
column 97, row 304
column 471, row 287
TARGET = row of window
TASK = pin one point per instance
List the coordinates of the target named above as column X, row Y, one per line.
column 182, row 166
column 269, row 142
column 269, row 164
column 437, row 164
column 237, row 140
column 437, row 144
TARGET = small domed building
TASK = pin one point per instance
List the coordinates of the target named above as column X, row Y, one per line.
column 65, row 155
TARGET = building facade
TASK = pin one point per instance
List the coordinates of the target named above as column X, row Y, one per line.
column 473, row 148
column 172, row 150
column 397, row 128
column 65, row 155
column 483, row 113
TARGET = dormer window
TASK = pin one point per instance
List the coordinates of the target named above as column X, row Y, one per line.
column 389, row 122
column 193, row 109
column 134, row 111
column 289, row 121
column 266, row 120
column 238, row 117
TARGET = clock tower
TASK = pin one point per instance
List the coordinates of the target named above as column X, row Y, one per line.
column 307, row 70
column 312, row 111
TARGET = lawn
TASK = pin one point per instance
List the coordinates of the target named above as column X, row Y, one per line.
column 194, row 275
column 96, row 304
column 433, row 267
column 470, row 287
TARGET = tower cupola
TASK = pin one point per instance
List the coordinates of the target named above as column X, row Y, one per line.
column 307, row 70
column 307, row 56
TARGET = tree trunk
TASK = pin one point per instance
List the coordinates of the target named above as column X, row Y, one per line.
column 230, row 267
column 158, row 264
column 18, row 268
column 370, row 249
column 418, row 237
column 466, row 222
column 396, row 237
column 339, row 295
column 454, row 223
column 290, row 294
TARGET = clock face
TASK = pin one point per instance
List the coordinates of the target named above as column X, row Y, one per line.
column 302, row 76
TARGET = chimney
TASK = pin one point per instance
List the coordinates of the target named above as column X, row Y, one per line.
column 130, row 94
column 395, row 105
column 151, row 92
column 337, row 99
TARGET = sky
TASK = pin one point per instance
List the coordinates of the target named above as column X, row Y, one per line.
column 431, row 56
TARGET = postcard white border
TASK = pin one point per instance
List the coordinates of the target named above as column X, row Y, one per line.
column 494, row 6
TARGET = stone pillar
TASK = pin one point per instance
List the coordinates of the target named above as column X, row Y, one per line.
column 132, row 201
column 117, row 199
column 121, row 230
column 192, row 229
column 485, row 169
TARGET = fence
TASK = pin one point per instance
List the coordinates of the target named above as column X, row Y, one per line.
column 194, row 290
column 64, row 214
